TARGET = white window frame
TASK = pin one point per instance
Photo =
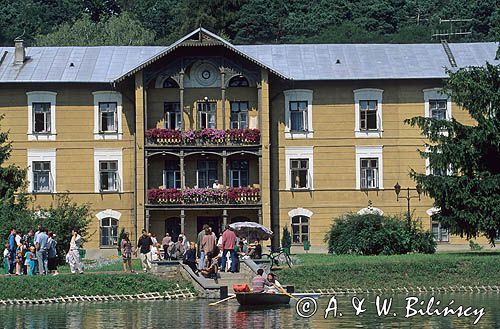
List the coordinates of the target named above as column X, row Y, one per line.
column 42, row 97
column 436, row 94
column 295, row 95
column 108, row 97
column 299, row 152
column 108, row 155
column 48, row 155
column 108, row 213
column 301, row 212
column 374, row 152
column 368, row 94
column 449, row 170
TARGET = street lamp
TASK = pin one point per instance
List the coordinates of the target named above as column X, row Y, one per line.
column 397, row 190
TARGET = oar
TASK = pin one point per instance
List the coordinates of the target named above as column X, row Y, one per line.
column 285, row 292
column 222, row 300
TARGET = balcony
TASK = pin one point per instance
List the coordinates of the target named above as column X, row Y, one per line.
column 202, row 137
column 205, row 196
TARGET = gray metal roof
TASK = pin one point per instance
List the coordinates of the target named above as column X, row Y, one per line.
column 296, row 62
column 90, row 64
column 369, row 61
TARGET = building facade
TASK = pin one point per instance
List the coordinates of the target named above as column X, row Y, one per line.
column 205, row 132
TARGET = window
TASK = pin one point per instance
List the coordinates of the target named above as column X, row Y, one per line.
column 299, row 169
column 172, row 115
column 437, row 105
column 207, row 112
column 41, row 115
column 108, row 173
column 108, row 170
column 368, row 113
column 41, row 118
column 300, row 229
column 207, row 173
column 437, row 109
column 172, row 175
column 298, row 113
column 239, row 115
column 239, row 173
column 109, row 232
column 170, row 83
column 238, row 81
column 108, row 118
column 107, row 115
column 439, row 233
column 42, row 170
column 298, row 116
column 369, row 173
column 41, row 177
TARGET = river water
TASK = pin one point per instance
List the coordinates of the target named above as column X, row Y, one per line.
column 188, row 314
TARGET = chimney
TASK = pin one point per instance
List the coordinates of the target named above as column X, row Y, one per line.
column 20, row 54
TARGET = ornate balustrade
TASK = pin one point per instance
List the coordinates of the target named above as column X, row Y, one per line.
column 163, row 136
column 193, row 196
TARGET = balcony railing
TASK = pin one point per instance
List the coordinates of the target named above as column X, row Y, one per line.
column 194, row 196
column 207, row 136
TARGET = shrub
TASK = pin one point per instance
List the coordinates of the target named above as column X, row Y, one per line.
column 373, row 234
column 286, row 239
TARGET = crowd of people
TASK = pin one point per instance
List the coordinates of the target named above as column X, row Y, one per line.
column 207, row 256
column 36, row 253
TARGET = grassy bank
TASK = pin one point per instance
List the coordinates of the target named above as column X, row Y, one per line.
column 14, row 287
column 373, row 272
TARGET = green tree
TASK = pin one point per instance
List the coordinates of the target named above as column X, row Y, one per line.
column 11, row 176
column 468, row 198
column 120, row 30
column 63, row 217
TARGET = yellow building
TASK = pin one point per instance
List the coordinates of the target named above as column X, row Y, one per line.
column 202, row 131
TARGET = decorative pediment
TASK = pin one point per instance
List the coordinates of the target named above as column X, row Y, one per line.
column 108, row 213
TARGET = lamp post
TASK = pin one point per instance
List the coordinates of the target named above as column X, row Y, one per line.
column 397, row 189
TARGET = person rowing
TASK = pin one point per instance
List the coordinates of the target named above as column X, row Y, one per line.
column 274, row 287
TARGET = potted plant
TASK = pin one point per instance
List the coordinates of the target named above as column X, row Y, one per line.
column 286, row 240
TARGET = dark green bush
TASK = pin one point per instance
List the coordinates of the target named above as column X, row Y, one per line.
column 373, row 234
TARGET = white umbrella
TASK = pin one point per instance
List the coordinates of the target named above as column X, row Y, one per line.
column 251, row 230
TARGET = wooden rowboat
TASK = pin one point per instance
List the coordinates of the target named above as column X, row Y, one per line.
column 258, row 299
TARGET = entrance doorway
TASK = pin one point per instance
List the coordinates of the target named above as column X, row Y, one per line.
column 173, row 227
column 213, row 222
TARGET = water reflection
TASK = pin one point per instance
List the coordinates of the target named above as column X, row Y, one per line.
column 197, row 314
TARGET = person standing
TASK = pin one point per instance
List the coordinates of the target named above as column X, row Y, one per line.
column 52, row 252
column 228, row 242
column 126, row 249
column 31, row 261
column 12, row 251
column 41, row 252
column 201, row 253
column 144, row 245
column 207, row 243
column 165, row 242
column 6, row 259
column 74, row 252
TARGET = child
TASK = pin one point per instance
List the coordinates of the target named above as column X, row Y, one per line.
column 31, row 260
column 19, row 258
column 6, row 259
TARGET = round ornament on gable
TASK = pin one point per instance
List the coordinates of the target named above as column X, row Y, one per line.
column 205, row 74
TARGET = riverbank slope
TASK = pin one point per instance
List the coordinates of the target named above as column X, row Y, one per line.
column 315, row 271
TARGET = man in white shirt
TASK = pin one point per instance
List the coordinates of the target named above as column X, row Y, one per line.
column 216, row 184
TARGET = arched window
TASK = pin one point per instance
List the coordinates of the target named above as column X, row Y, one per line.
column 109, row 232
column 300, row 229
column 238, row 81
column 170, row 83
column 300, row 219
